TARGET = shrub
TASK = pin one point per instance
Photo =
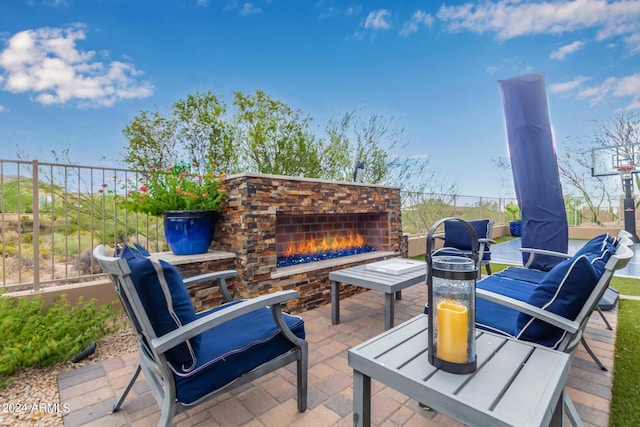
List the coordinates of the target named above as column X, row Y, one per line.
column 33, row 335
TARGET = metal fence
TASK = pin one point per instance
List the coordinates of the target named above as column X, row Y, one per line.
column 52, row 216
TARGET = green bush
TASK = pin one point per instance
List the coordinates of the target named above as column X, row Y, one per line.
column 33, row 335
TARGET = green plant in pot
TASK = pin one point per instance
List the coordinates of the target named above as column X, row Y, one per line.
column 188, row 198
column 513, row 215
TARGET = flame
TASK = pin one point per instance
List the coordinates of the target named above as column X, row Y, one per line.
column 327, row 243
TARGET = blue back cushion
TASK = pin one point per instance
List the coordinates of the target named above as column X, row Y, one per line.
column 166, row 302
column 598, row 250
column 456, row 233
column 563, row 291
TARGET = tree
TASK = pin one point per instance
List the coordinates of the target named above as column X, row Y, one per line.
column 265, row 135
column 276, row 139
column 575, row 171
column 196, row 130
column 375, row 141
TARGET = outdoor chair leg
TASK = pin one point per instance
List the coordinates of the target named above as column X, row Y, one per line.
column 592, row 354
column 606, row 322
column 126, row 390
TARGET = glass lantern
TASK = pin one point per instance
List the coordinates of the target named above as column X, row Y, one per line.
column 451, row 282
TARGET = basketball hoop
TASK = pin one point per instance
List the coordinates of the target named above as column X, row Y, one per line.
column 625, row 170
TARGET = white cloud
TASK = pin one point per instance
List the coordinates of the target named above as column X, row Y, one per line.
column 3, row 109
column 202, row 3
column 565, row 50
column 413, row 25
column 628, row 86
column 567, row 86
column 330, row 11
column 47, row 63
column 633, row 42
column 378, row 20
column 249, row 9
column 514, row 18
column 620, row 87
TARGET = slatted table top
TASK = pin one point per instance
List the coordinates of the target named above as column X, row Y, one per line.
column 378, row 280
column 516, row 383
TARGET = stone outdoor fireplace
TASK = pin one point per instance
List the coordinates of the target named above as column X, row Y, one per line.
column 266, row 214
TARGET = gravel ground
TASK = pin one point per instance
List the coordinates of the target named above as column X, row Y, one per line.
column 34, row 387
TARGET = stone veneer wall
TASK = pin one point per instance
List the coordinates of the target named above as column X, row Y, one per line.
column 247, row 227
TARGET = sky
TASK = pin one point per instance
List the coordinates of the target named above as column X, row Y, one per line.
column 74, row 73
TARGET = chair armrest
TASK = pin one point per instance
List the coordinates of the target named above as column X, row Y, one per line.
column 183, row 333
column 221, row 276
column 225, row 274
column 533, row 252
column 563, row 323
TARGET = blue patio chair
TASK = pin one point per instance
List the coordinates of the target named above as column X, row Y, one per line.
column 535, row 277
column 555, row 312
column 190, row 357
column 457, row 241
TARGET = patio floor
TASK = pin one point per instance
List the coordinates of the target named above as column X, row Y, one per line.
column 91, row 390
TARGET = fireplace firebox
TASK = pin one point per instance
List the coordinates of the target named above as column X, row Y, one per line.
column 308, row 238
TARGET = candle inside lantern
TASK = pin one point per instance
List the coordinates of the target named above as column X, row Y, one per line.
column 451, row 344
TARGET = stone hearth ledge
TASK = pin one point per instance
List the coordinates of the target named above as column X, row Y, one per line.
column 330, row 263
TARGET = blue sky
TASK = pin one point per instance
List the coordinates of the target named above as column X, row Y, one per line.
column 74, row 73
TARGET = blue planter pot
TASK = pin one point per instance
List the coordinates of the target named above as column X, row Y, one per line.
column 514, row 227
column 189, row 232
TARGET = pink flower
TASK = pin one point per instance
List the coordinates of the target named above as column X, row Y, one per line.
column 144, row 188
column 104, row 184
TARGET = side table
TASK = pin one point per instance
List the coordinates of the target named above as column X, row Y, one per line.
column 516, row 383
column 389, row 283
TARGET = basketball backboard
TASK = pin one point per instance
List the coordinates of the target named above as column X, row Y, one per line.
column 613, row 159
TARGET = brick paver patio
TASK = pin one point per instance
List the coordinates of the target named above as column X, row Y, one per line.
column 91, row 390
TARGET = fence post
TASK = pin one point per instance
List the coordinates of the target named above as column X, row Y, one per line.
column 36, row 227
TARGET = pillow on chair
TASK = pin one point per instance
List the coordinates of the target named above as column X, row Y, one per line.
column 598, row 250
column 456, row 233
column 166, row 301
column 563, row 291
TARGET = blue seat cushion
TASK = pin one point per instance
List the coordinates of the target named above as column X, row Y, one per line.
column 495, row 317
column 233, row 349
column 529, row 275
column 563, row 291
column 165, row 300
column 456, row 233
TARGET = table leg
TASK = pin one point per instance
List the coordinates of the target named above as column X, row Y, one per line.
column 558, row 414
column 388, row 311
column 361, row 400
column 335, row 302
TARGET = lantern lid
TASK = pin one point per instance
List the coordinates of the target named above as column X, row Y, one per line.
column 453, row 263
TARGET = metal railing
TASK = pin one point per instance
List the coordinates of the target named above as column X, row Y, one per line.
column 52, row 215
